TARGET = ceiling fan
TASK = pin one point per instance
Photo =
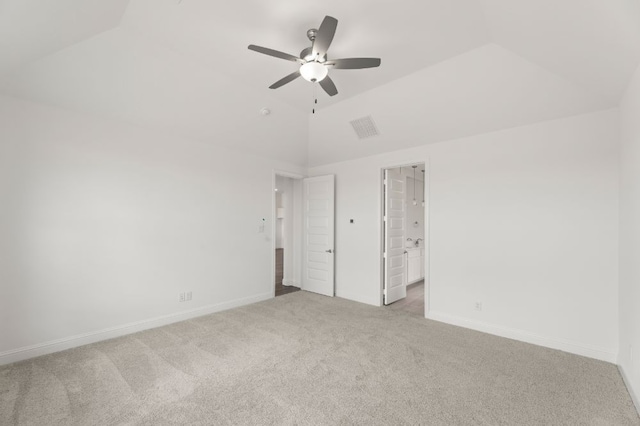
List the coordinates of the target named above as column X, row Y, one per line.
column 313, row 61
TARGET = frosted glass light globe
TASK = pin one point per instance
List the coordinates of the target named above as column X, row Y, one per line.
column 313, row 71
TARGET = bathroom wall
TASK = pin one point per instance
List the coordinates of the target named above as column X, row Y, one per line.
column 415, row 214
column 279, row 222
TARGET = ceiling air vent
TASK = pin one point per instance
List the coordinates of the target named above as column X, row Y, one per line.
column 365, row 127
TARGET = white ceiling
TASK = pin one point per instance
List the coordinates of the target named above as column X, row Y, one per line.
column 450, row 68
column 31, row 29
column 218, row 34
column 595, row 43
column 487, row 89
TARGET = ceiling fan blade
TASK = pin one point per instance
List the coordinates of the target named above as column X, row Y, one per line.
column 285, row 80
column 328, row 86
column 324, row 36
column 354, row 63
column 275, row 53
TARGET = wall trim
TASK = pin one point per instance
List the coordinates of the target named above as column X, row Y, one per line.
column 291, row 283
column 65, row 343
column 627, row 382
column 565, row 345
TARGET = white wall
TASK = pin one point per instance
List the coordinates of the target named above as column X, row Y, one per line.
column 630, row 238
column 523, row 220
column 103, row 224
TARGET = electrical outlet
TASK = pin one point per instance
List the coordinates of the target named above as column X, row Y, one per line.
column 182, row 297
column 478, row 306
column 189, row 295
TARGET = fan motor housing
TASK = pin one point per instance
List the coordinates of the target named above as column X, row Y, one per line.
column 307, row 55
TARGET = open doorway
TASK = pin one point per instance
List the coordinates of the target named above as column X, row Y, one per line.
column 287, row 234
column 404, row 251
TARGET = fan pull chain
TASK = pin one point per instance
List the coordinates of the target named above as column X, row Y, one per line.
column 315, row 97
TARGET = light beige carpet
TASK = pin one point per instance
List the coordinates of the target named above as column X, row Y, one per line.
column 309, row 359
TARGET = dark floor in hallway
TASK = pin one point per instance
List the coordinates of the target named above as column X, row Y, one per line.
column 280, row 288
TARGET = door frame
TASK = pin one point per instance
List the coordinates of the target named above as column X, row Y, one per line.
column 297, row 237
column 427, row 232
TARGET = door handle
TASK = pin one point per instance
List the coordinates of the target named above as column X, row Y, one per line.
column 329, row 251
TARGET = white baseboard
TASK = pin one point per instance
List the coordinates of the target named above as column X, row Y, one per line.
column 355, row 297
column 627, row 382
column 290, row 283
column 525, row 336
column 58, row 345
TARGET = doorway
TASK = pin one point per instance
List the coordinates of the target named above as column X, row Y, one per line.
column 287, row 232
column 303, row 233
column 404, row 248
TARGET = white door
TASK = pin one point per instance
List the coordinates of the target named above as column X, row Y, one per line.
column 395, row 269
column 318, row 198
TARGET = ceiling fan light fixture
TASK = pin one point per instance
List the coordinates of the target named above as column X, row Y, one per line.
column 313, row 71
column 313, row 64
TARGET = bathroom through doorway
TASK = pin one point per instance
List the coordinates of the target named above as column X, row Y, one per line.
column 404, row 250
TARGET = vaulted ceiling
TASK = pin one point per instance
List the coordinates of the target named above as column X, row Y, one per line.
column 450, row 68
